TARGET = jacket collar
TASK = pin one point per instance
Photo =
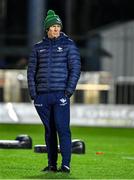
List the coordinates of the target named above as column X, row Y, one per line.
column 62, row 36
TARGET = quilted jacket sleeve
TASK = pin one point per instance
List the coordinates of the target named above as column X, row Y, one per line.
column 74, row 67
column 31, row 73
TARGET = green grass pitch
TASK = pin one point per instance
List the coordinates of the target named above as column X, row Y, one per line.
column 117, row 162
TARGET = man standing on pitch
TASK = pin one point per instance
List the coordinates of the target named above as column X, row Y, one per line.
column 53, row 73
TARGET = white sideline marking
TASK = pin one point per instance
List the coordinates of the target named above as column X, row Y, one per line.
column 131, row 158
column 11, row 112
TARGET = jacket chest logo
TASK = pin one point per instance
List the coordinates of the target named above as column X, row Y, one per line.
column 42, row 50
column 59, row 49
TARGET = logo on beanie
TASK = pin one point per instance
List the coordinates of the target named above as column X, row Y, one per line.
column 58, row 19
column 59, row 49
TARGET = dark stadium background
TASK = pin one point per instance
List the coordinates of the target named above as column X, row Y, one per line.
column 79, row 17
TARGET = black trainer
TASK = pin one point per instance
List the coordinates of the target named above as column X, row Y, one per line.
column 64, row 168
column 50, row 168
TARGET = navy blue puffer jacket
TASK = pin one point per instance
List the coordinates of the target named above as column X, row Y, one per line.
column 54, row 64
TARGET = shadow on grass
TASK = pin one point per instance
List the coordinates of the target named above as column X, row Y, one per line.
column 51, row 175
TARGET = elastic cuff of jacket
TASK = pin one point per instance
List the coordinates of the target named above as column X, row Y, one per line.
column 33, row 98
column 68, row 94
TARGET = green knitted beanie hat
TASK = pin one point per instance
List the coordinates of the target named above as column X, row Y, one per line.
column 51, row 19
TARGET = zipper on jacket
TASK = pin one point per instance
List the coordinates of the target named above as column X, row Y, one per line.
column 49, row 62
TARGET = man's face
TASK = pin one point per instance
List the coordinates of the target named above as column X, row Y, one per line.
column 54, row 31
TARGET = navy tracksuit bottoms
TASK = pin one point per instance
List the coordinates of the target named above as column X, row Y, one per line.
column 54, row 111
